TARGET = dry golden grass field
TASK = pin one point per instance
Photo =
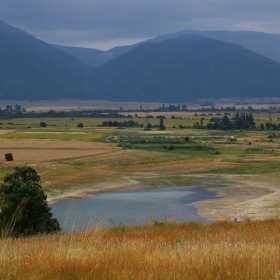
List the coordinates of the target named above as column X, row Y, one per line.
column 222, row 250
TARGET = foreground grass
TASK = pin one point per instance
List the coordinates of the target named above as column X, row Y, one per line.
column 222, row 250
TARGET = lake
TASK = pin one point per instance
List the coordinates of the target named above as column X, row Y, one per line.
column 131, row 207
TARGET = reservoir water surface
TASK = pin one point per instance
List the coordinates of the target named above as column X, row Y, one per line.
column 131, row 207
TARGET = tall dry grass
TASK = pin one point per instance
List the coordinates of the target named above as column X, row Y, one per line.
column 222, row 250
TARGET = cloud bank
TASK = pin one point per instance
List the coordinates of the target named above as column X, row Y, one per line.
column 103, row 24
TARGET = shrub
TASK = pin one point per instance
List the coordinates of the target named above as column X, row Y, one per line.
column 9, row 157
column 187, row 138
column 43, row 124
column 80, row 125
column 217, row 152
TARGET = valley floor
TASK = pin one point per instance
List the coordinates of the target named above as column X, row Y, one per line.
column 77, row 163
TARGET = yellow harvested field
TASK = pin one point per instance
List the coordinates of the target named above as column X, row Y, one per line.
column 36, row 151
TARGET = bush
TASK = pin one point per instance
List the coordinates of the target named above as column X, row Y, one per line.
column 43, row 124
column 187, row 138
column 217, row 152
column 9, row 157
column 80, row 125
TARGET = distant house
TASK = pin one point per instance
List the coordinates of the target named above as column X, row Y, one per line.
column 231, row 139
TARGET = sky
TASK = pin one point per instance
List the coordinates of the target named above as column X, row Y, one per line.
column 103, row 24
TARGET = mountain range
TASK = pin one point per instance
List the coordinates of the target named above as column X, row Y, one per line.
column 264, row 44
column 187, row 67
column 173, row 67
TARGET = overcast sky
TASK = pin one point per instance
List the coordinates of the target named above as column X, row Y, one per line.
column 103, row 24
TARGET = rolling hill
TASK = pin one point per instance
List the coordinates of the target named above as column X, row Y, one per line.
column 32, row 69
column 187, row 67
column 28, row 76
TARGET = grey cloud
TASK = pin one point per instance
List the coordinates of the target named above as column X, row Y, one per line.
column 96, row 20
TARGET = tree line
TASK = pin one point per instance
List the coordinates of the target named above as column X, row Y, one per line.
column 57, row 114
column 129, row 123
column 239, row 121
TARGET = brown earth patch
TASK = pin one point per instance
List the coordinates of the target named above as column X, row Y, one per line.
column 248, row 198
column 36, row 151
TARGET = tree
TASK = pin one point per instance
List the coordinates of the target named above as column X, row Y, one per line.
column 18, row 107
column 80, row 125
column 23, row 203
column 268, row 125
column 43, row 124
column 161, row 124
column 225, row 123
column 9, row 108
column 24, row 173
column 9, row 157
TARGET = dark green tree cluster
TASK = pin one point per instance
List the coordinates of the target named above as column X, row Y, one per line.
column 43, row 124
column 270, row 126
column 129, row 123
column 23, row 205
column 171, row 108
column 9, row 157
column 243, row 121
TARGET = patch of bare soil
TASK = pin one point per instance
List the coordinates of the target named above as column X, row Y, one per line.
column 36, row 151
column 247, row 199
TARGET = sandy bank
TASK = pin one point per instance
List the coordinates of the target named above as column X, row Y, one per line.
column 256, row 201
